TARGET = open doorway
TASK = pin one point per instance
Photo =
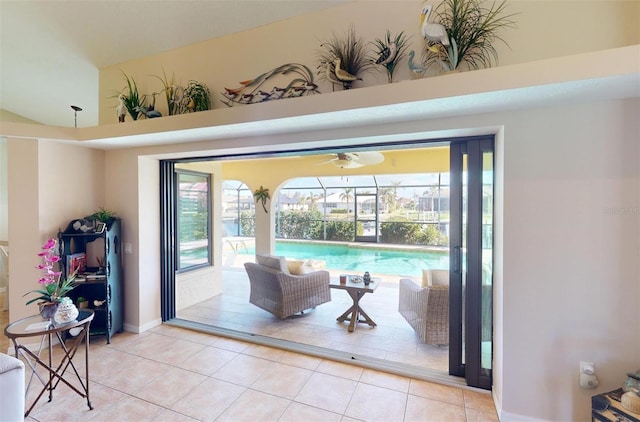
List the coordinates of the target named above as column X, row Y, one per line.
column 394, row 341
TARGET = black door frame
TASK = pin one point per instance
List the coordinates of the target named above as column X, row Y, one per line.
column 465, row 301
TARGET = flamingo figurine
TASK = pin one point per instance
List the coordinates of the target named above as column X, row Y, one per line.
column 432, row 31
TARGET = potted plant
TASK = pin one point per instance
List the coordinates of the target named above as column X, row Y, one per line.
column 54, row 288
column 197, row 97
column 103, row 215
column 131, row 98
column 472, row 30
column 82, row 302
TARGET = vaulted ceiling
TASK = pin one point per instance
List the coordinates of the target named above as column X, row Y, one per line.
column 51, row 51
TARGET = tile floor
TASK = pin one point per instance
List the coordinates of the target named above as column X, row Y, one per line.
column 392, row 340
column 175, row 374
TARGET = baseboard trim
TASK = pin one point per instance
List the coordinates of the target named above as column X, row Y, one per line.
column 142, row 328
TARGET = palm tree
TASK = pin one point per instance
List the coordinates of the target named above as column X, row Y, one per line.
column 387, row 197
column 347, row 196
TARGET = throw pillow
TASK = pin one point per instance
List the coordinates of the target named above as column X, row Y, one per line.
column 440, row 277
column 295, row 267
column 275, row 262
column 426, row 278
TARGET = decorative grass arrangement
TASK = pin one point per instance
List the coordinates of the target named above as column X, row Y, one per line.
column 473, row 29
column 169, row 89
column 352, row 53
column 390, row 51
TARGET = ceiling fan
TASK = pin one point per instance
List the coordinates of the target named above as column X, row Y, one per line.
column 352, row 160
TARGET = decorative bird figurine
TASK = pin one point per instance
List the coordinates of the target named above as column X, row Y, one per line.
column 387, row 55
column 342, row 75
column 150, row 112
column 416, row 68
column 277, row 93
column 432, row 31
column 121, row 109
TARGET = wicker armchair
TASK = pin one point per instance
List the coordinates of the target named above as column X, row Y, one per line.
column 426, row 309
column 285, row 294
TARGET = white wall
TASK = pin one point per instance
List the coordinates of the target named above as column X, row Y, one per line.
column 568, row 265
column 49, row 184
column 4, row 210
column 570, row 268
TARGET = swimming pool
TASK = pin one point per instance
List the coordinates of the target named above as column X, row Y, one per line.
column 356, row 258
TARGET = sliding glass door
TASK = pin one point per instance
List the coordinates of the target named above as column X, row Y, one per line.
column 471, row 247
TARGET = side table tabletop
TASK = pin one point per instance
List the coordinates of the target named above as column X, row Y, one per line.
column 356, row 290
column 35, row 326
column 606, row 407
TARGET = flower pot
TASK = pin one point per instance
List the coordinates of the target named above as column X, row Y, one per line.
column 48, row 309
column 66, row 312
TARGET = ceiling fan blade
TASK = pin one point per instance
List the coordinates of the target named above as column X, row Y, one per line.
column 368, row 158
column 326, row 161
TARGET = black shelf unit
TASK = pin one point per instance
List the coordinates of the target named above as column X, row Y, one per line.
column 97, row 283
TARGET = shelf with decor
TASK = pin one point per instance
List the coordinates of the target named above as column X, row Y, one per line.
column 93, row 249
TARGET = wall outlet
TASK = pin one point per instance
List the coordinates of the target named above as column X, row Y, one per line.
column 588, row 368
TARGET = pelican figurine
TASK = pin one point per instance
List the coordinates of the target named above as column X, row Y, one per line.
column 416, row 68
column 432, row 31
column 121, row 110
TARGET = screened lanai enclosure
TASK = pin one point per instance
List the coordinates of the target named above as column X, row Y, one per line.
column 410, row 209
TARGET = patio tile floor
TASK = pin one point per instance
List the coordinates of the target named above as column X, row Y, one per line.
column 392, row 339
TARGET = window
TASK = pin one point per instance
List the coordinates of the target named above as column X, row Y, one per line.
column 194, row 216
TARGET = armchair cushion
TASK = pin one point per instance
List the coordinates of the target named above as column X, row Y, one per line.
column 435, row 277
column 275, row 262
column 12, row 384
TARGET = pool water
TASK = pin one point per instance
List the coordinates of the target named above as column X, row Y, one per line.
column 359, row 259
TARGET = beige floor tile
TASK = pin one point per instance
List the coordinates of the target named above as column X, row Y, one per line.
column 435, row 391
column 127, row 409
column 474, row 415
column 298, row 412
column 371, row 403
column 170, row 416
column 263, row 352
column 243, row 370
column 478, row 400
column 300, row 360
column 208, row 360
column 172, row 385
column 179, row 351
column 254, row 406
column 230, row 344
column 282, row 380
column 209, row 399
column 386, row 380
column 420, row 409
column 340, row 369
column 327, row 392
column 135, row 377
